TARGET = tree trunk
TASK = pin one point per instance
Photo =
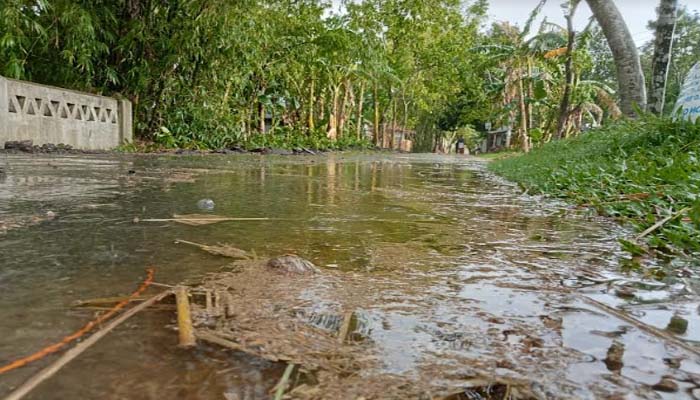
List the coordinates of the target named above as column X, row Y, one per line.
column 360, row 103
column 261, row 116
column 663, row 43
column 569, row 73
column 376, row 114
column 322, row 106
column 531, row 95
column 333, row 115
column 630, row 78
column 342, row 114
column 312, row 102
column 393, row 124
column 524, row 143
column 405, row 123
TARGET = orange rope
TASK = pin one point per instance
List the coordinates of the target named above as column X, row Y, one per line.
column 85, row 329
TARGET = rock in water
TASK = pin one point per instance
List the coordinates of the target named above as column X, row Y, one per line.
column 667, row 385
column 21, row 145
column 292, row 264
column 205, row 204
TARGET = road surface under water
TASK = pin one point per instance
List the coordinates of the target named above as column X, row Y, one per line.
column 474, row 272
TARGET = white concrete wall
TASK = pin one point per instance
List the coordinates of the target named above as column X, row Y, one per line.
column 46, row 114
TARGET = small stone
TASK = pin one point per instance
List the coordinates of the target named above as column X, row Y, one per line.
column 613, row 360
column 292, row 264
column 677, row 325
column 674, row 363
column 21, row 145
column 625, row 293
column 206, row 204
column 666, row 384
column 696, row 393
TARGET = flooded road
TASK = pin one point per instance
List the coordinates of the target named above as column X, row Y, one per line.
column 463, row 276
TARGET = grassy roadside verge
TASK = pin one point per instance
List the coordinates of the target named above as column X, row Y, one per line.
column 278, row 139
column 645, row 173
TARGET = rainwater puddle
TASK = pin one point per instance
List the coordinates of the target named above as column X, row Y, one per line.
column 452, row 274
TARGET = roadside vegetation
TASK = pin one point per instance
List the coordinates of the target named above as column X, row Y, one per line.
column 645, row 173
column 205, row 74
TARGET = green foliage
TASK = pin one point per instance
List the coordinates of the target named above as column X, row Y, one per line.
column 209, row 74
column 471, row 136
column 637, row 171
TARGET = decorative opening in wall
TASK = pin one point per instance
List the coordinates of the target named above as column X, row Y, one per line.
column 58, row 109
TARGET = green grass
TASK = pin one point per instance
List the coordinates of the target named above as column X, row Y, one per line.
column 638, row 172
column 281, row 138
column 496, row 156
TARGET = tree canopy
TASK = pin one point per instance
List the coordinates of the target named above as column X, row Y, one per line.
column 214, row 73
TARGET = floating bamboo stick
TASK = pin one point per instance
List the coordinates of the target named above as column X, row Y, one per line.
column 201, row 220
column 103, row 301
column 68, row 356
column 184, row 319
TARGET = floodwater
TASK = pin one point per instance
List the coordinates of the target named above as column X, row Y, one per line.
column 474, row 272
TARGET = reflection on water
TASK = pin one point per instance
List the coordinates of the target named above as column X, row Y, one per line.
column 474, row 273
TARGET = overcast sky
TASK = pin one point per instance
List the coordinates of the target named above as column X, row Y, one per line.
column 637, row 13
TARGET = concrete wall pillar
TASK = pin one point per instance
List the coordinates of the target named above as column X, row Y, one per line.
column 126, row 122
column 4, row 102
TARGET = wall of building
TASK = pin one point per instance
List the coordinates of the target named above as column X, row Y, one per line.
column 45, row 114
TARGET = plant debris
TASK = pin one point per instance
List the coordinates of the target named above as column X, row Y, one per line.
column 224, row 250
column 198, row 219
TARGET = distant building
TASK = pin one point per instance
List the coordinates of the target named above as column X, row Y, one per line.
column 496, row 139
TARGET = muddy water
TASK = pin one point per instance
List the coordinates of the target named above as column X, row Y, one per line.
column 474, row 273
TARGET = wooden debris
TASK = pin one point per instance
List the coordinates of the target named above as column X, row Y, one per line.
column 218, row 307
column 662, row 223
column 184, row 319
column 68, row 356
column 211, row 337
column 230, row 307
column 224, row 250
column 199, row 219
column 209, row 305
column 345, row 327
column 105, row 301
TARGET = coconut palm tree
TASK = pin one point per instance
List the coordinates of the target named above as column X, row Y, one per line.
column 630, row 78
column 663, row 42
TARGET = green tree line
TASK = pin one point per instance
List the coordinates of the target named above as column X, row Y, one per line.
column 216, row 73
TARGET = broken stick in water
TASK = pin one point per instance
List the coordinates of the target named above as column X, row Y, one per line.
column 68, row 356
column 184, row 319
column 198, row 219
column 225, row 250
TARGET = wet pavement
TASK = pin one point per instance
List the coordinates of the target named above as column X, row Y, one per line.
column 459, row 274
